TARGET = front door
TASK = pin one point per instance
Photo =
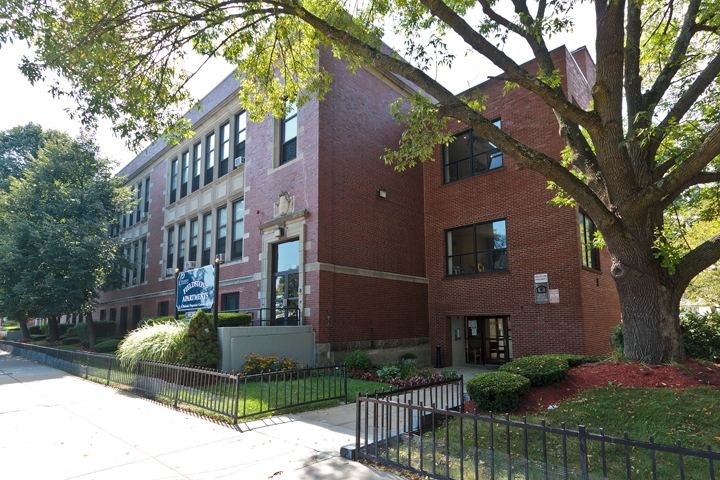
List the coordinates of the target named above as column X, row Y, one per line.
column 496, row 339
column 286, row 284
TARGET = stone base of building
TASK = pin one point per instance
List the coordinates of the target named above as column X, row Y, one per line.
column 380, row 351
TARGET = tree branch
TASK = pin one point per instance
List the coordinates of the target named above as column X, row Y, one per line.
column 699, row 179
column 696, row 261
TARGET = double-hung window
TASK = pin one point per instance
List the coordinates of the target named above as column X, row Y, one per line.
column 288, row 149
column 240, row 132
column 181, row 247
column 221, row 235
column 476, row 248
column 209, row 158
column 131, row 213
column 138, row 206
column 184, row 173
column 193, row 239
column 224, row 149
column 147, row 195
column 238, row 228
column 136, row 262
column 590, row 254
column 170, row 248
column 207, row 238
column 469, row 154
column 173, row 180
column 143, row 260
column 197, row 164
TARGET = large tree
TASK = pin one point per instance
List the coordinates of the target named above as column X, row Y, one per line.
column 54, row 242
column 651, row 134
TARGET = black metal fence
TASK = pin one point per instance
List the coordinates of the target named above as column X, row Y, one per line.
column 440, row 442
column 229, row 395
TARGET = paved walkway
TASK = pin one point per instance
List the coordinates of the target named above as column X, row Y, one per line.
column 57, row 426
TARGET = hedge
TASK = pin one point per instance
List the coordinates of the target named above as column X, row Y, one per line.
column 70, row 340
column 232, row 319
column 497, row 391
column 108, row 346
column 539, row 369
column 103, row 328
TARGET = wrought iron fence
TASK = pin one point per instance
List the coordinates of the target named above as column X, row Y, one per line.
column 230, row 395
column 439, row 442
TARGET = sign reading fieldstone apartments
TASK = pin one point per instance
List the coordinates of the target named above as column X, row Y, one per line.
column 195, row 289
column 541, row 288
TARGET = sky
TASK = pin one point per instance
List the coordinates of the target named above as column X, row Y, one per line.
column 23, row 103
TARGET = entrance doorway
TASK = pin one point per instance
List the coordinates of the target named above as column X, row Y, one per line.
column 488, row 340
column 286, row 284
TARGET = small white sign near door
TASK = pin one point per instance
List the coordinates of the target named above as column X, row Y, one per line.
column 554, row 295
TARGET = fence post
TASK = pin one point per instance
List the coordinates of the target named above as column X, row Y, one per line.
column 109, row 368
column 87, row 365
column 357, row 424
column 583, row 452
column 177, row 385
column 344, row 370
column 237, row 399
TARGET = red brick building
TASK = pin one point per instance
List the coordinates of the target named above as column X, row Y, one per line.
column 316, row 230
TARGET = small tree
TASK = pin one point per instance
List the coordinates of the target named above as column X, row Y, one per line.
column 200, row 348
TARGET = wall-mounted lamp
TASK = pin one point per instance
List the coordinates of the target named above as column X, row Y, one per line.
column 382, row 193
column 220, row 258
column 279, row 232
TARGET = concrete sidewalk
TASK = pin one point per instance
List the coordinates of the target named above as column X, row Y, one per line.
column 57, row 426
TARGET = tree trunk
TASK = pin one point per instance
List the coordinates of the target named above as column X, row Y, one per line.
column 53, row 329
column 90, row 325
column 24, row 328
column 649, row 304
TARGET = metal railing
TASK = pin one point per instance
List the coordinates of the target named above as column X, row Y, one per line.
column 439, row 442
column 230, row 395
column 272, row 317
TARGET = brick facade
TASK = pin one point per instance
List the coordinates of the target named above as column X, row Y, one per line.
column 372, row 269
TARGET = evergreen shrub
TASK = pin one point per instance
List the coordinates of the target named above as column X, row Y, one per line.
column 108, row 346
column 70, row 340
column 35, row 330
column 539, row 369
column 498, row 391
column 103, row 328
column 576, row 360
column 232, row 319
column 199, row 346
column 701, row 335
column 37, row 338
column 358, row 360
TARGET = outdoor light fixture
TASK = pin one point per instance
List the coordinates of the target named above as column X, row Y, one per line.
column 220, row 258
column 382, row 193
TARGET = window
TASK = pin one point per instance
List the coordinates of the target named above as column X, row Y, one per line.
column 477, row 248
column 184, row 173
column 113, row 314
column 143, row 260
column 136, row 262
column 127, row 269
column 102, row 314
column 207, row 238
column 193, row 239
column 163, row 309
column 131, row 214
column 181, row 247
column 197, row 162
column 288, row 149
column 138, row 207
column 124, row 221
column 230, row 302
column 224, row 149
column 238, row 228
column 170, row 248
column 469, row 154
column 240, row 132
column 147, row 195
column 590, row 257
column 209, row 158
column 221, row 230
column 173, row 180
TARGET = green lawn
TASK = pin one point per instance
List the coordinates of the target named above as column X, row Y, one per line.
column 691, row 416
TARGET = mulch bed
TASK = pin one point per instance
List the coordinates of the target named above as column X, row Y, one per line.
column 692, row 373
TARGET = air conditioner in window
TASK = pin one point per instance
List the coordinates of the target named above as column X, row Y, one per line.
column 135, row 280
column 169, row 272
column 239, row 161
column 144, row 214
column 190, row 265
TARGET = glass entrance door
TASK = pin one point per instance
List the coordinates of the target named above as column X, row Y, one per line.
column 496, row 340
column 286, row 284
